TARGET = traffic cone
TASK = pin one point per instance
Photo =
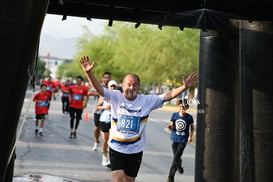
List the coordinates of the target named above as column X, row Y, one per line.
column 86, row 118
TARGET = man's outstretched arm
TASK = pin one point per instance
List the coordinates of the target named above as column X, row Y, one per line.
column 188, row 82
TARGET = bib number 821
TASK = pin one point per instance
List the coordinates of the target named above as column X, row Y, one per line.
column 128, row 123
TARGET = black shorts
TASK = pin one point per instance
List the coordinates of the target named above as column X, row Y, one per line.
column 40, row 116
column 129, row 163
column 97, row 119
column 104, row 127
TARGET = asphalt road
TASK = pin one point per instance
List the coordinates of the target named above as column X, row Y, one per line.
column 55, row 157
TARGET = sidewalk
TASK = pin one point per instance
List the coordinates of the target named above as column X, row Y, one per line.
column 173, row 108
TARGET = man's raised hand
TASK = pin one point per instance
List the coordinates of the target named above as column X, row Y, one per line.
column 86, row 65
column 190, row 80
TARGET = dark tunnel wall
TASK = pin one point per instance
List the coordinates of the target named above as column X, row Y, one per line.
column 21, row 23
column 234, row 124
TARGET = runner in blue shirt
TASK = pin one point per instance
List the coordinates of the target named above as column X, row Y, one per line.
column 181, row 123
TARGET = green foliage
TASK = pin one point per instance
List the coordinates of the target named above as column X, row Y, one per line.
column 157, row 56
column 40, row 70
column 46, row 73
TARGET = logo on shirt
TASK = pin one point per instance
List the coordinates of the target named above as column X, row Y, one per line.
column 180, row 125
column 137, row 110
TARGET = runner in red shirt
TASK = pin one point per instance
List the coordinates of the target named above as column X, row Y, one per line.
column 65, row 97
column 41, row 109
column 57, row 84
column 50, row 86
column 78, row 96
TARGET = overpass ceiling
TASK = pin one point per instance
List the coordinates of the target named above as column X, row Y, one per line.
column 203, row 14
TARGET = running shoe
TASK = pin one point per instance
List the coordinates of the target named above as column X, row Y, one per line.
column 71, row 135
column 41, row 134
column 95, row 146
column 36, row 131
column 105, row 162
column 180, row 170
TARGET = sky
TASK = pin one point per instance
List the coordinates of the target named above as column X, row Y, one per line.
column 71, row 27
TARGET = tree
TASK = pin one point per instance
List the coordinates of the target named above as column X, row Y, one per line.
column 40, row 70
column 159, row 57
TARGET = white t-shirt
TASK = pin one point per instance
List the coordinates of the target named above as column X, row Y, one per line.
column 105, row 115
column 129, row 119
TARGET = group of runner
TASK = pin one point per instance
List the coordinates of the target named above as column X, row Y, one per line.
column 124, row 114
column 42, row 101
column 75, row 97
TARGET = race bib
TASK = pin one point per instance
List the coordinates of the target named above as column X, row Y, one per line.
column 128, row 124
column 48, row 88
column 65, row 94
column 77, row 97
column 42, row 103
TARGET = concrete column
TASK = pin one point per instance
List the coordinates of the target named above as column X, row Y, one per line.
column 217, row 144
column 21, row 23
column 256, row 101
